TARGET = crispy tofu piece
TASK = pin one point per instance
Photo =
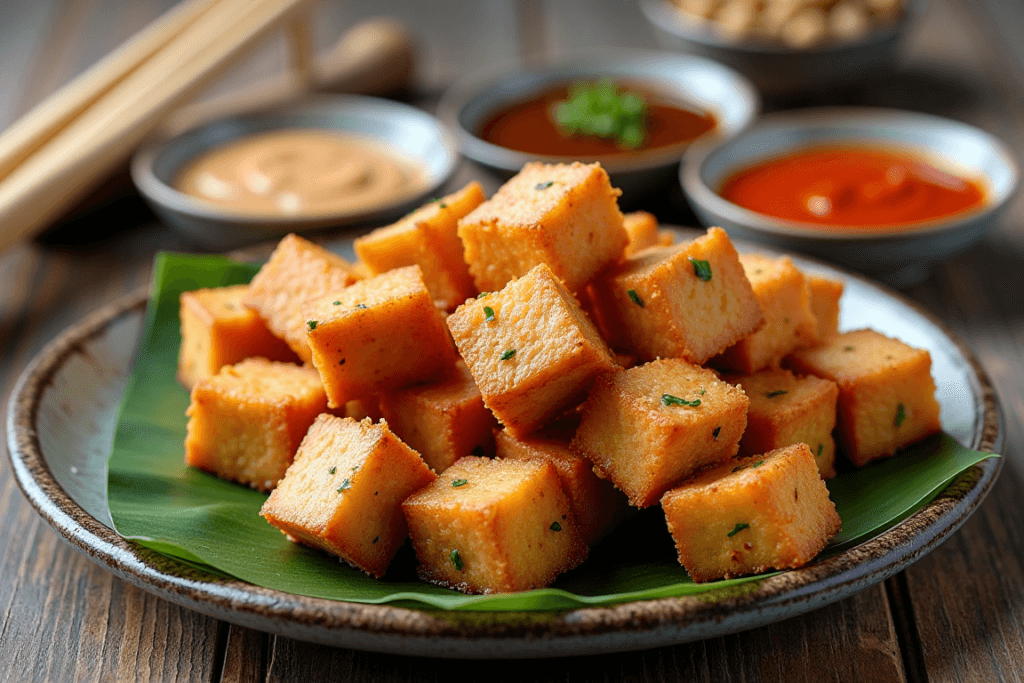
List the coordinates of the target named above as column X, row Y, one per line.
column 825, row 295
column 789, row 324
column 217, row 330
column 427, row 238
column 344, row 492
column 443, row 420
column 651, row 426
column 642, row 228
column 530, row 348
column 564, row 215
column 666, row 238
column 377, row 334
column 297, row 274
column 361, row 408
column 246, row 422
column 668, row 306
column 594, row 501
column 494, row 526
column 786, row 409
column 886, row 391
column 768, row 511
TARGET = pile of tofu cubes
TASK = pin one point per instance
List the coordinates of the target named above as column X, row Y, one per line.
column 501, row 379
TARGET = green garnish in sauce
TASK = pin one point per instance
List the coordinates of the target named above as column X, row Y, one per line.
column 738, row 528
column 702, row 269
column 601, row 109
column 670, row 400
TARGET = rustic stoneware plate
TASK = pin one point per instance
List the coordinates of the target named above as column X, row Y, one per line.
column 61, row 421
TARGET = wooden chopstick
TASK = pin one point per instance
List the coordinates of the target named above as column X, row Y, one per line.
column 54, row 113
column 103, row 136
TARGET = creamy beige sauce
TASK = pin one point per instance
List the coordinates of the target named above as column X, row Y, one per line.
column 300, row 172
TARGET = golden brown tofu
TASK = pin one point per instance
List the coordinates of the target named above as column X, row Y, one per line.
column 825, row 295
column 564, row 215
column 246, row 422
column 218, row 330
column 297, row 274
column 886, row 391
column 782, row 291
column 494, row 526
column 642, row 228
column 443, row 420
column 594, row 501
column 378, row 334
column 650, row 426
column 428, row 238
column 786, row 409
column 688, row 301
column 530, row 348
column 344, row 492
column 769, row 511
column 666, row 238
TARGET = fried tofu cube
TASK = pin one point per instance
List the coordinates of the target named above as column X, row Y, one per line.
column 595, row 502
column 428, row 238
column 642, row 228
column 530, row 348
column 768, row 511
column 217, row 330
column 564, row 215
column 494, row 526
column 689, row 301
column 246, row 422
column 377, row 334
column 786, row 409
column 789, row 324
column 666, row 238
column 344, row 492
column 443, row 420
column 886, row 391
column 297, row 274
column 648, row 427
column 825, row 294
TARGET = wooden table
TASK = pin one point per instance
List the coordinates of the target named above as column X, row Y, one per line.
column 958, row 614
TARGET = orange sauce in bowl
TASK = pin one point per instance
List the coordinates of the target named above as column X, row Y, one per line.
column 870, row 187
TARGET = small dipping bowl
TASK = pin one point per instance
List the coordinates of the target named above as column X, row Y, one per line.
column 899, row 256
column 405, row 132
column 775, row 68
column 694, row 82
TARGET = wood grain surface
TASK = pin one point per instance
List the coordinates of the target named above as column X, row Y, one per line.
column 957, row 615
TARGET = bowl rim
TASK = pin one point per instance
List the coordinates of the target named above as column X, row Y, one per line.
column 478, row 83
column 170, row 198
column 701, row 194
column 664, row 15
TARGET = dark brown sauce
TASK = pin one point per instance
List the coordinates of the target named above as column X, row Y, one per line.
column 527, row 127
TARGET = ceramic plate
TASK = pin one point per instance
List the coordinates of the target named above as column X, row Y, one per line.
column 61, row 421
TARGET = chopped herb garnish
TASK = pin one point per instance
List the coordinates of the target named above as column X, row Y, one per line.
column 489, row 313
column 337, row 303
column 456, row 483
column 456, row 559
column 363, row 306
column 847, row 348
column 311, row 324
column 635, row 298
column 702, row 269
column 508, row 354
column 901, row 415
column 345, row 485
column 758, row 464
column 718, row 430
column 777, row 392
column 332, row 470
column 481, row 295
column 602, row 109
column 702, row 392
column 443, row 205
column 543, row 186
column 821, row 447
column 555, row 526
column 670, row 400
column 738, row 528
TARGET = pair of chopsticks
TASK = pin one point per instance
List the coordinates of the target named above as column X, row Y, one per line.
column 68, row 144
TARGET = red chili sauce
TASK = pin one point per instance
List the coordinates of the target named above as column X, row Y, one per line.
column 528, row 127
column 852, row 186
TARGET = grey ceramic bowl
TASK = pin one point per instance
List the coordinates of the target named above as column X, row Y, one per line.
column 694, row 81
column 776, row 69
column 900, row 259
column 405, row 131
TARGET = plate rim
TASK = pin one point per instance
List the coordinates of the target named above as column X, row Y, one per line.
column 467, row 634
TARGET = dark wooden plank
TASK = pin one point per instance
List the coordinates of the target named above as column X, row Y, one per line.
column 245, row 656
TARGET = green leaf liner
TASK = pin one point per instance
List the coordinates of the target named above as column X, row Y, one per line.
column 157, row 501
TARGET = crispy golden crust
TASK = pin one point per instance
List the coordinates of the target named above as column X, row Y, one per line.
column 825, row 295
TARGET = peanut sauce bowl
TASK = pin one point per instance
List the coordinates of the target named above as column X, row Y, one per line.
column 688, row 82
column 405, row 133
column 899, row 255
